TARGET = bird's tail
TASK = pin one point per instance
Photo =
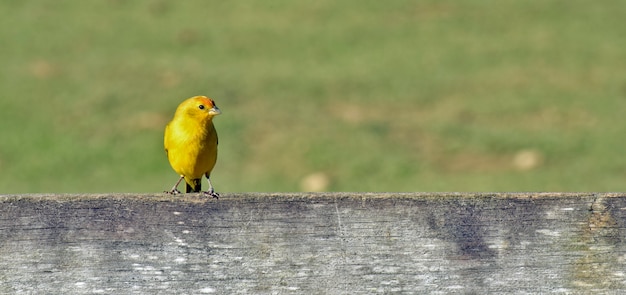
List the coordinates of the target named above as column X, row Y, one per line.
column 195, row 186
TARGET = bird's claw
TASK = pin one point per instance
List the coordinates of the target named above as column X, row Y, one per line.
column 212, row 193
column 172, row 192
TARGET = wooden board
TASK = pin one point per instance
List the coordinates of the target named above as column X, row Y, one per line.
column 327, row 243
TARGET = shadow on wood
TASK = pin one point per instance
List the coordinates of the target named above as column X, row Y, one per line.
column 327, row 243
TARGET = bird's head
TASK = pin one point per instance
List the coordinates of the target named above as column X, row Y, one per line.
column 199, row 107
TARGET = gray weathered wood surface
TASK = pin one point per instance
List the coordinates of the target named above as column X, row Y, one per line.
column 327, row 243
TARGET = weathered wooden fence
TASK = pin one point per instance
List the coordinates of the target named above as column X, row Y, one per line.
column 326, row 243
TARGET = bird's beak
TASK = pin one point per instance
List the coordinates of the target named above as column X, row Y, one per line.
column 214, row 111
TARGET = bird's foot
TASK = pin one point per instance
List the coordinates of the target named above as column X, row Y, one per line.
column 212, row 193
column 172, row 192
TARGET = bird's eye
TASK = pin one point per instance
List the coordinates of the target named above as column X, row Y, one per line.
column 201, row 107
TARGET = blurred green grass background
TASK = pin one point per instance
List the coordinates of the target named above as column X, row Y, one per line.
column 483, row 95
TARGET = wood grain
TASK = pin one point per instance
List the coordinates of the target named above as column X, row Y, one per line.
column 324, row 243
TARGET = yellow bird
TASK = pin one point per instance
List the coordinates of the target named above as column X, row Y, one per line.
column 191, row 143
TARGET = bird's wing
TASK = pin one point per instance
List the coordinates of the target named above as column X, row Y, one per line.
column 166, row 138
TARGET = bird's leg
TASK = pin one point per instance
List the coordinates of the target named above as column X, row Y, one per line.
column 211, row 192
column 174, row 190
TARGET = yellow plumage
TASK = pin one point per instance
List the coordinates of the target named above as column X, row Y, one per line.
column 191, row 143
